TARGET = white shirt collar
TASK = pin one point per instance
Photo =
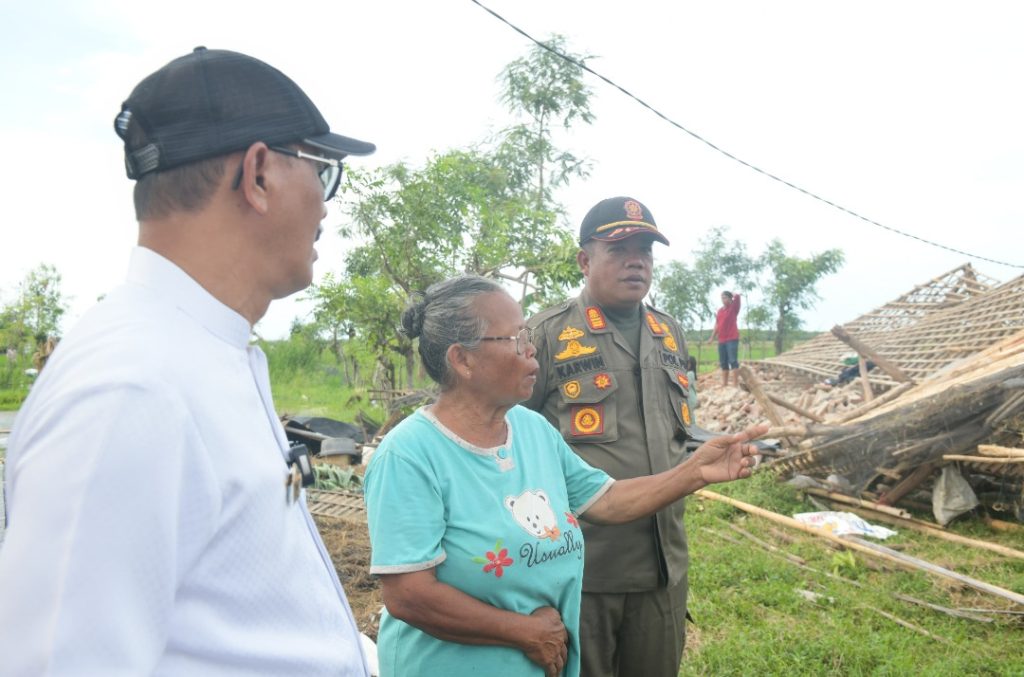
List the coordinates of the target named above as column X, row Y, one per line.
column 148, row 269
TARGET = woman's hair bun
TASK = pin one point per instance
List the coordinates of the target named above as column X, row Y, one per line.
column 413, row 316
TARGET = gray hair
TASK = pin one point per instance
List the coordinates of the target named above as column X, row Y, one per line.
column 444, row 316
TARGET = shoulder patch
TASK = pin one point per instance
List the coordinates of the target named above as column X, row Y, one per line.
column 654, row 325
column 595, row 318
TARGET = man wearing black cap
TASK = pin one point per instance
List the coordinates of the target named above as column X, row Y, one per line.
column 613, row 380
column 154, row 526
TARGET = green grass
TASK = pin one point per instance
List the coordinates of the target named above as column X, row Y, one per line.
column 707, row 353
column 306, row 381
column 751, row 619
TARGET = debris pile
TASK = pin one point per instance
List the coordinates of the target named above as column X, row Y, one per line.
column 935, row 401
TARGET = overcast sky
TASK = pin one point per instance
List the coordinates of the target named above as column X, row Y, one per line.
column 909, row 113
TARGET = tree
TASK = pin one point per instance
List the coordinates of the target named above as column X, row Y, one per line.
column 791, row 284
column 478, row 210
column 686, row 291
column 35, row 313
column 548, row 90
column 332, row 315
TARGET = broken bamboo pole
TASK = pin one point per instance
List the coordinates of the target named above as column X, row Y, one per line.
column 795, row 408
column 864, row 351
column 1002, row 525
column 797, row 561
column 988, row 460
column 766, row 545
column 850, row 500
column 993, row 450
column 907, row 624
column 924, row 565
column 868, row 548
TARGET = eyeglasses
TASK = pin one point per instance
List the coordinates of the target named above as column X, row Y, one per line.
column 329, row 173
column 525, row 336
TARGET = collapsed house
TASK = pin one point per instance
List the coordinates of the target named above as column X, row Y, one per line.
column 937, row 422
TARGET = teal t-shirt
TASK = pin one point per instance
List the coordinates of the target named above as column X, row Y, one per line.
column 498, row 524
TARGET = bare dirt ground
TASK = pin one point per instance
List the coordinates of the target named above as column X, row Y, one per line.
column 348, row 543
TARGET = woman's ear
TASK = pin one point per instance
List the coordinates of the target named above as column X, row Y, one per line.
column 461, row 360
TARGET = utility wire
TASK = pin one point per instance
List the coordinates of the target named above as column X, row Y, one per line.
column 727, row 153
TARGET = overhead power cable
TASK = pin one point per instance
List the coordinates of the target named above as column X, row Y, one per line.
column 726, row 153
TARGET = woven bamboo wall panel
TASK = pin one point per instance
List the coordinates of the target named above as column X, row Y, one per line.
column 342, row 504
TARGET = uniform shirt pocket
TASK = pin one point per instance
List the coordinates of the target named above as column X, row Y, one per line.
column 588, row 411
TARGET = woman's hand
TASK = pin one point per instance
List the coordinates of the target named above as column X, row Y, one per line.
column 548, row 642
column 729, row 457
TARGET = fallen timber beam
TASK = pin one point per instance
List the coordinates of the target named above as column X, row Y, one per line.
column 869, row 548
column 864, row 351
column 928, row 529
column 795, row 409
column 865, row 384
column 861, row 449
column 767, row 407
column 911, row 482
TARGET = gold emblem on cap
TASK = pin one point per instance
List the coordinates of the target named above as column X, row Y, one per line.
column 634, row 211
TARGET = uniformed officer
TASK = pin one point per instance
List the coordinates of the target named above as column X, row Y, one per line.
column 613, row 380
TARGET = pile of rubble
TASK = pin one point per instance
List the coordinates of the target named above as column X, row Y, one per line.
column 935, row 399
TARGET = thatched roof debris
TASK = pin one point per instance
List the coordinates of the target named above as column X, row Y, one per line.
column 959, row 343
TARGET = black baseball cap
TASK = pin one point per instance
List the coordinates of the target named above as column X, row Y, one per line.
column 618, row 218
column 212, row 102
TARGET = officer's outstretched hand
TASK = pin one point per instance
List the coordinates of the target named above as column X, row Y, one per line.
column 727, row 458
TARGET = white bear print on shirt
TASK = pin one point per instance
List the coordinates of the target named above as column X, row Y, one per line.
column 532, row 510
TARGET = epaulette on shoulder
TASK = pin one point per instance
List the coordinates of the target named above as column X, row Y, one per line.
column 548, row 313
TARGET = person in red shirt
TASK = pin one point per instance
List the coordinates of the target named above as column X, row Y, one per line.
column 728, row 335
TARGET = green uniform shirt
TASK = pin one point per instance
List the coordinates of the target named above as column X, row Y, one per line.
column 626, row 414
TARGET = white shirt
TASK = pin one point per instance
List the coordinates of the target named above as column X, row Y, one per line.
column 148, row 527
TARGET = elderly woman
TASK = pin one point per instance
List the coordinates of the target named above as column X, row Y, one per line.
column 473, row 502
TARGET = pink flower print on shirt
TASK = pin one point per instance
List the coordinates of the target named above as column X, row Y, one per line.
column 496, row 561
column 571, row 519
